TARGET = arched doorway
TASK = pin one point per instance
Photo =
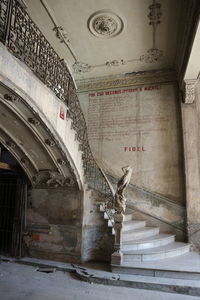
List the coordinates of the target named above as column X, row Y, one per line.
column 13, row 197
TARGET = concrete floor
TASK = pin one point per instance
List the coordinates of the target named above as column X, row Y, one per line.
column 20, row 282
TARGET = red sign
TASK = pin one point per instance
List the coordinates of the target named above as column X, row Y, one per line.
column 62, row 113
column 35, row 237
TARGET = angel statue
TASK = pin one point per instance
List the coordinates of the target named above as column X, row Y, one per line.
column 120, row 200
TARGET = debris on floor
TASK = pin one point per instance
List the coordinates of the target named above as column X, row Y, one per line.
column 46, row 270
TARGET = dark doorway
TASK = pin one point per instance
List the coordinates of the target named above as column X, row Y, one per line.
column 13, row 194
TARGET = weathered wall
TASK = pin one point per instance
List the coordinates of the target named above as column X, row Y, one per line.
column 191, row 135
column 97, row 238
column 140, row 126
column 54, row 223
column 60, row 227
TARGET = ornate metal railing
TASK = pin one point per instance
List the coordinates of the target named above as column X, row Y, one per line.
column 25, row 41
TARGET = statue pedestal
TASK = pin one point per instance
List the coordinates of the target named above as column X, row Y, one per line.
column 117, row 256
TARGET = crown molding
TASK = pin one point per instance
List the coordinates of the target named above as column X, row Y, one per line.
column 129, row 79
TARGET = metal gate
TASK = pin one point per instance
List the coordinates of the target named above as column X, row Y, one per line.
column 13, row 193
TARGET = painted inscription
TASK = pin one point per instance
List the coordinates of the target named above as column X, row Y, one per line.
column 115, row 114
column 134, row 149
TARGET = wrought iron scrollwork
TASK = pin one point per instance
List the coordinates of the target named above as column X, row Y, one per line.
column 24, row 40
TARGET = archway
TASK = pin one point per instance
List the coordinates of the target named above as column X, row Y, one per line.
column 13, row 198
column 54, row 207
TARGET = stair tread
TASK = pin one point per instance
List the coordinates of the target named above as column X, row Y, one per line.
column 161, row 249
column 188, row 262
column 160, row 280
column 136, row 230
column 131, row 225
column 133, row 222
column 149, row 239
column 128, row 215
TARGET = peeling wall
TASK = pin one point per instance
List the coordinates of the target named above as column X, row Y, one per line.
column 97, row 238
column 54, row 222
column 140, row 126
column 61, row 226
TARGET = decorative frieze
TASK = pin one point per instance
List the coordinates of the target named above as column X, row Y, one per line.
column 52, row 179
column 34, row 121
column 135, row 78
column 61, row 161
column 81, row 67
column 189, row 90
column 152, row 56
column 61, row 34
column 10, row 97
column 50, row 143
column 10, row 144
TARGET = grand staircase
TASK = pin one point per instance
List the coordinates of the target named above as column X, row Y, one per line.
column 141, row 243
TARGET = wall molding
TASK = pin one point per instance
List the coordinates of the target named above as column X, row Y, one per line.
column 128, row 79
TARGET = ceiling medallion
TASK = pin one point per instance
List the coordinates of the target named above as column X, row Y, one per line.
column 105, row 24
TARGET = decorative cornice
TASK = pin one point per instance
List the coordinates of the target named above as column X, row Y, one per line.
column 189, row 90
column 129, row 79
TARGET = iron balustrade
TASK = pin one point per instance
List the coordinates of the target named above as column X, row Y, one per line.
column 25, row 41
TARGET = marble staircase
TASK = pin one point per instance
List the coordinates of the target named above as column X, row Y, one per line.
column 141, row 243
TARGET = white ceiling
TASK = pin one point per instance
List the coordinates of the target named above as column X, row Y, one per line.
column 124, row 49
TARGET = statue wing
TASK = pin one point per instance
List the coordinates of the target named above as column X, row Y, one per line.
column 109, row 183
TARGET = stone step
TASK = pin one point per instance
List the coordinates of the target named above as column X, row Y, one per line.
column 185, row 266
column 168, row 285
column 139, row 233
column 149, row 242
column 128, row 217
column 166, row 251
column 106, row 216
column 130, row 225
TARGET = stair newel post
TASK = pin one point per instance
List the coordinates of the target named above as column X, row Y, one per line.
column 117, row 256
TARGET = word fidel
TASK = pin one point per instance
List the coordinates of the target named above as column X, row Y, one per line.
column 133, row 149
column 130, row 90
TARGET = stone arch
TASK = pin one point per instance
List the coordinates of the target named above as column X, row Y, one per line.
column 34, row 143
column 55, row 200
